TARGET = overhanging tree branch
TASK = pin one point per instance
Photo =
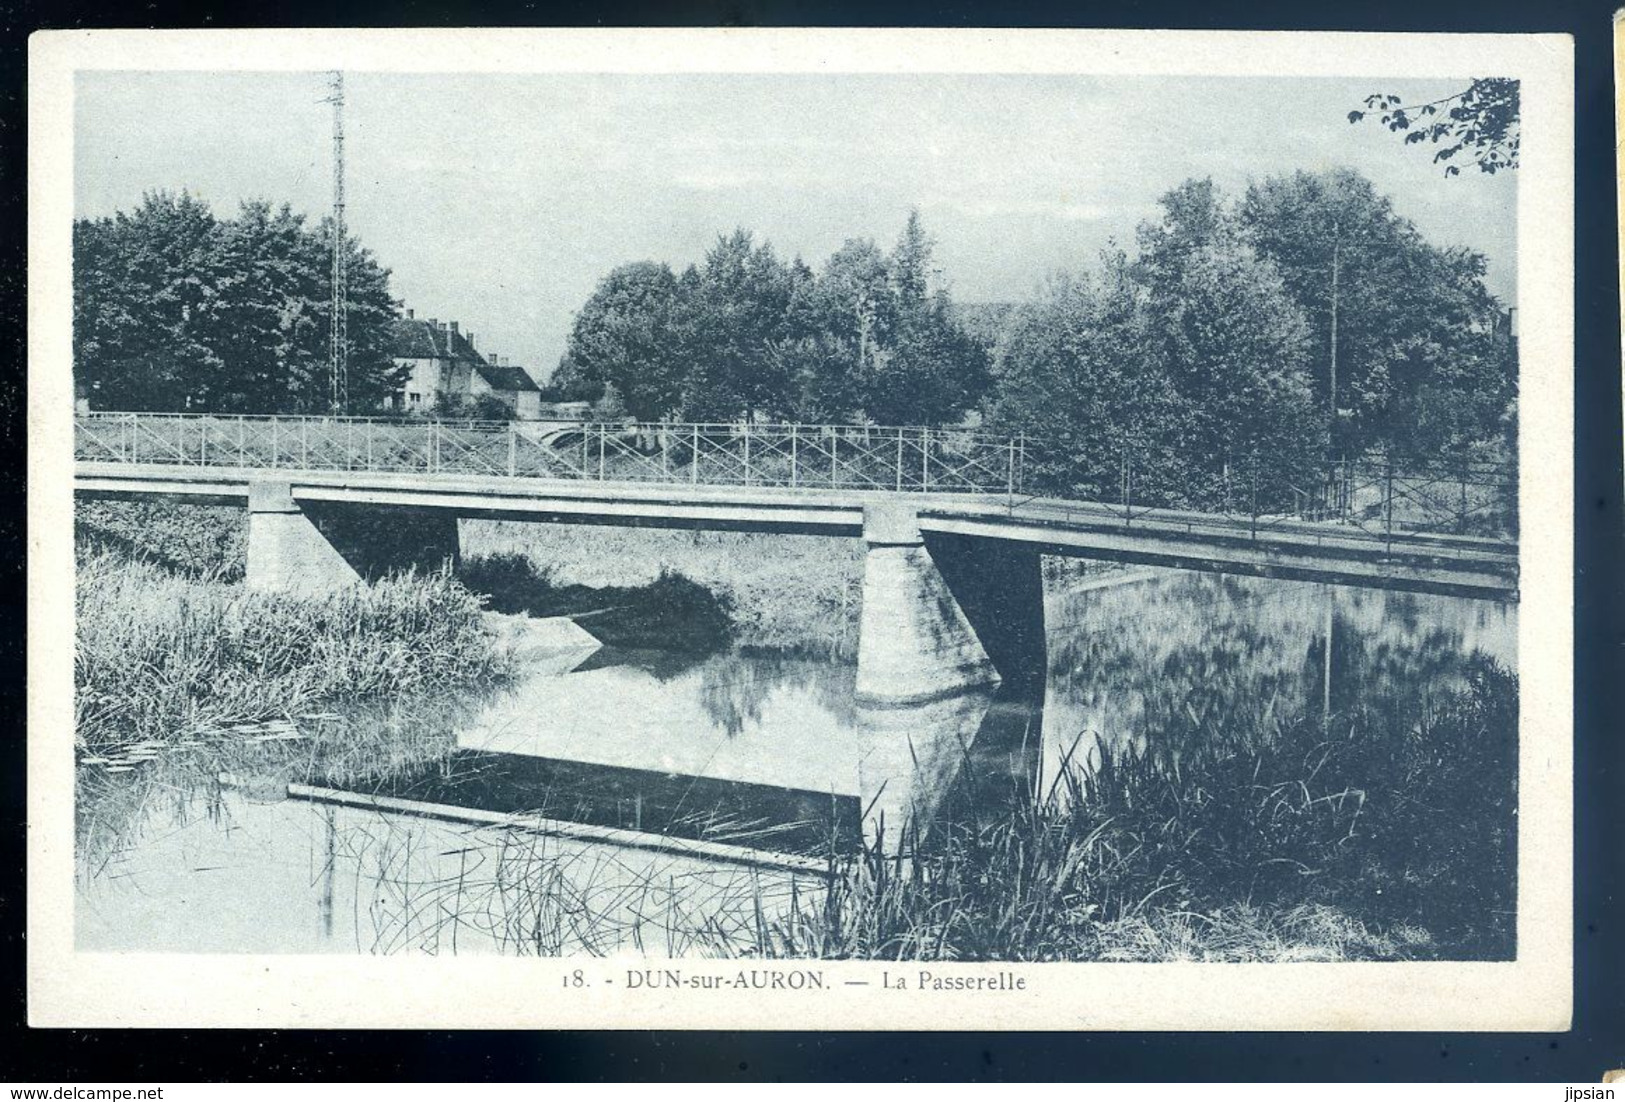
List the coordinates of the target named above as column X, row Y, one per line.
column 1482, row 120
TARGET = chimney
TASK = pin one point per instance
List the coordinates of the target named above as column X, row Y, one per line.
column 454, row 329
column 434, row 323
column 408, row 313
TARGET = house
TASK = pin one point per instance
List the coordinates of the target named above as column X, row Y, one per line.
column 510, row 384
column 441, row 359
column 447, row 371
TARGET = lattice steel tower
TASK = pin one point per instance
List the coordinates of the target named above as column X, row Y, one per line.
column 339, row 348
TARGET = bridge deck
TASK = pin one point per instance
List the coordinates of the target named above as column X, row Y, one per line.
column 1303, row 550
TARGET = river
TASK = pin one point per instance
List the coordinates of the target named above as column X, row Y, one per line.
column 614, row 800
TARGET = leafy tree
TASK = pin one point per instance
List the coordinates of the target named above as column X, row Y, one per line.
column 263, row 356
column 569, row 384
column 738, row 313
column 1075, row 372
column 935, row 373
column 629, row 336
column 175, row 309
column 1233, row 345
column 911, row 264
column 1405, row 334
column 928, row 370
column 838, row 323
column 1177, row 376
column 138, row 280
column 1482, row 119
column 744, row 335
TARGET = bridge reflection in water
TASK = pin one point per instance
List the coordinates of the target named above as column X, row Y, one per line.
column 642, row 801
column 765, row 762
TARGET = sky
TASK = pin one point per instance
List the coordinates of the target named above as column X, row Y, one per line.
column 500, row 200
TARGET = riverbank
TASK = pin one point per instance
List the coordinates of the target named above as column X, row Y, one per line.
column 1244, row 791
column 798, row 594
column 165, row 656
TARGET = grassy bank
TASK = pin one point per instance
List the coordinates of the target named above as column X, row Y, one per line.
column 792, row 593
column 671, row 612
column 1372, row 837
column 700, row 590
column 209, row 541
column 1228, row 828
column 164, row 655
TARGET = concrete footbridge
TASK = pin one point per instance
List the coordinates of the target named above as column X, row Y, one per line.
column 954, row 526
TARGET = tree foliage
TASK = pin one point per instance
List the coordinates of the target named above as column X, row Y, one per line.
column 1235, row 349
column 744, row 334
column 627, row 337
column 1480, row 121
column 1204, row 359
column 1423, row 361
column 738, row 311
column 175, row 309
column 1183, row 368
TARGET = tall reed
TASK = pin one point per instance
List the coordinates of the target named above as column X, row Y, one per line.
column 1367, row 836
column 161, row 655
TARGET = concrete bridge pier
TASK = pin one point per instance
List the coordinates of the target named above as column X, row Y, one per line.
column 942, row 618
column 317, row 547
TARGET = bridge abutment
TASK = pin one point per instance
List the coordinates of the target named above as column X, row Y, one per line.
column 317, row 547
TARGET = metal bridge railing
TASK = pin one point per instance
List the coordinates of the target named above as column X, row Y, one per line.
column 1374, row 497
column 846, row 457
column 1379, row 497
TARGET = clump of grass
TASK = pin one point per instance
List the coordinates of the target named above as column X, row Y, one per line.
column 670, row 612
column 1244, row 933
column 512, row 583
column 162, row 655
column 205, row 541
column 1370, row 836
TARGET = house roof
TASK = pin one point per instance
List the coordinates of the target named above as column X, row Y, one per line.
column 416, row 339
column 506, row 377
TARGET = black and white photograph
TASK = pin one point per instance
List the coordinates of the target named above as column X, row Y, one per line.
column 842, row 533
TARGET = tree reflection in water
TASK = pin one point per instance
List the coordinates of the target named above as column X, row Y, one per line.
column 1152, row 665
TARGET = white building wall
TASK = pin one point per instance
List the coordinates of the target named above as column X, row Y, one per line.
column 423, row 387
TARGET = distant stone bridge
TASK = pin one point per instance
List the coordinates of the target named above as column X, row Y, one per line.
column 953, row 594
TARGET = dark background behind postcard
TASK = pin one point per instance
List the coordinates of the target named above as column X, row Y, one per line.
column 1597, row 1041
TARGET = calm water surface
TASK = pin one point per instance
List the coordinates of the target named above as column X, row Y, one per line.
column 688, row 800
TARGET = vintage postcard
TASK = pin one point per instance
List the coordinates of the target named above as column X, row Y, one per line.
column 800, row 529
